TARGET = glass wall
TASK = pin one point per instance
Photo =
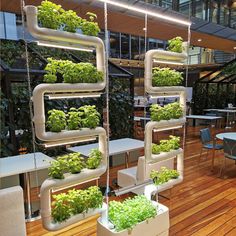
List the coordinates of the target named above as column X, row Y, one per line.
column 217, row 11
column 115, row 45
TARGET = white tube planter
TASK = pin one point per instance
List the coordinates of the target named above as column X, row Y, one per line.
column 48, row 223
column 158, row 126
column 158, row 226
column 73, row 40
column 163, row 55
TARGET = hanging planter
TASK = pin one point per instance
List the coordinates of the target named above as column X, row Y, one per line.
column 159, row 225
column 63, row 39
column 68, row 208
column 163, row 56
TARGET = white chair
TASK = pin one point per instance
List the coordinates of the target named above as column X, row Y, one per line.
column 12, row 214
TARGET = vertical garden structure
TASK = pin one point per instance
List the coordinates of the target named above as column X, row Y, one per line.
column 64, row 90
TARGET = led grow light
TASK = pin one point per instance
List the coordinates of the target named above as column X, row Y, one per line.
column 71, row 141
column 168, row 62
column 150, row 13
column 64, row 46
column 72, row 95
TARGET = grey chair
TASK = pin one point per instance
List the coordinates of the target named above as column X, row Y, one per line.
column 207, row 142
column 229, row 146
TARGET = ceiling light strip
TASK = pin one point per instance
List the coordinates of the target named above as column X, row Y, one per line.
column 150, row 13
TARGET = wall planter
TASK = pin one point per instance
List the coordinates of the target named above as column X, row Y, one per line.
column 151, row 227
column 72, row 40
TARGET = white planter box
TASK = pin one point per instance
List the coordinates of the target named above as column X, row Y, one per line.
column 158, row 226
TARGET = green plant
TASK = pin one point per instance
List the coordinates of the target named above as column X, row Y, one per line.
column 57, row 170
column 163, row 176
column 166, row 145
column 169, row 111
column 49, row 15
column 94, row 159
column 166, row 77
column 75, row 163
column 126, row 214
column 53, row 16
column 90, row 27
column 56, row 121
column 61, row 209
column 71, row 21
column 75, row 202
column 71, row 72
column 175, row 44
column 90, row 117
column 73, row 121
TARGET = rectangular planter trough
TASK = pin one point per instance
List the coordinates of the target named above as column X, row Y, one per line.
column 158, row 226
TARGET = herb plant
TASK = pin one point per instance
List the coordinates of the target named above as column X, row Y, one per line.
column 75, row 163
column 71, row 72
column 56, row 121
column 169, row 111
column 49, row 15
column 75, row 202
column 73, row 121
column 56, row 170
column 94, row 159
column 90, row 117
column 53, row 16
column 163, row 176
column 90, row 27
column 61, row 210
column 126, row 214
column 166, row 77
column 175, row 44
column 166, row 145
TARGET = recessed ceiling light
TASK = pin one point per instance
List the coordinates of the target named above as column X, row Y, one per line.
column 199, row 40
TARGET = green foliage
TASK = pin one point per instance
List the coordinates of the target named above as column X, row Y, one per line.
column 53, row 16
column 169, row 111
column 71, row 21
column 126, row 214
column 56, row 121
column 175, row 44
column 166, row 145
column 163, row 176
column 61, row 210
column 75, row 202
column 73, row 121
column 49, row 15
column 74, row 163
column 166, row 77
column 90, row 117
column 90, row 27
column 94, row 159
column 72, row 72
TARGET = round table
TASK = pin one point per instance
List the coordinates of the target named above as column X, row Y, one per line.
column 230, row 135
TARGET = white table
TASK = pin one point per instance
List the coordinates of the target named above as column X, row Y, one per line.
column 230, row 135
column 118, row 146
column 203, row 117
column 24, row 164
column 227, row 111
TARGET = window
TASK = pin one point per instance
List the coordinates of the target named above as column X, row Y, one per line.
column 114, row 45
column 134, row 47
column 125, row 46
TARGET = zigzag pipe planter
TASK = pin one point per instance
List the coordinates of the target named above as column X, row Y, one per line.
column 73, row 40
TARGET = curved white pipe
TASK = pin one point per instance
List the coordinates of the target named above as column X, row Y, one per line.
column 157, row 125
column 62, row 36
column 166, row 55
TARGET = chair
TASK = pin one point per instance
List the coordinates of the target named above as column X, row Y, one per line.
column 207, row 142
column 229, row 146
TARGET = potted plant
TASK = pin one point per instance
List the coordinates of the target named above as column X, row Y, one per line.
column 135, row 217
